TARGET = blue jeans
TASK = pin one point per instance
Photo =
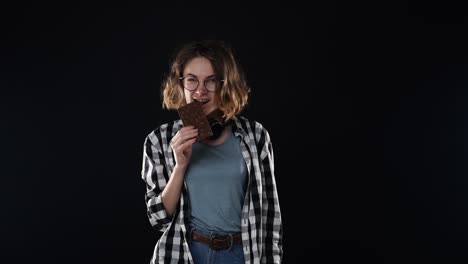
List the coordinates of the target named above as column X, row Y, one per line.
column 203, row 254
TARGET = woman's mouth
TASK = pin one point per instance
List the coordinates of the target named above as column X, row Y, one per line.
column 202, row 101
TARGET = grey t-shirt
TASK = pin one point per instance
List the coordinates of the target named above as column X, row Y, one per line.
column 216, row 182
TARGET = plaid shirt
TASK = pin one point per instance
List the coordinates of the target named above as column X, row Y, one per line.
column 261, row 218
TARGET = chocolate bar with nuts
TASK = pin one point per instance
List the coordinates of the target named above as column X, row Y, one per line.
column 192, row 115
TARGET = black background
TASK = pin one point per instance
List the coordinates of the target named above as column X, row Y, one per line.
column 365, row 104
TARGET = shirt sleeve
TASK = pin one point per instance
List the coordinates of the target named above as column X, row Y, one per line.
column 271, row 214
column 155, row 175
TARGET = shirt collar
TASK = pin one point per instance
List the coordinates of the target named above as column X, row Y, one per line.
column 237, row 127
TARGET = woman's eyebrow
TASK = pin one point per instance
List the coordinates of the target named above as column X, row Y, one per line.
column 207, row 77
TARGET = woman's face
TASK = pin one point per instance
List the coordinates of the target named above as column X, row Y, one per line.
column 200, row 68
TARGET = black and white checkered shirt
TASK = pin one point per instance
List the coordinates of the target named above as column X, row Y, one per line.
column 261, row 218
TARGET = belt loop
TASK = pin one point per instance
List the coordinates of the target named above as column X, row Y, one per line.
column 211, row 240
column 232, row 242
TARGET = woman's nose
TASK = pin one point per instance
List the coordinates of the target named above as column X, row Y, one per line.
column 201, row 89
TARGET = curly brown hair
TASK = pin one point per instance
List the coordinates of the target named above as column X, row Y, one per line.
column 233, row 92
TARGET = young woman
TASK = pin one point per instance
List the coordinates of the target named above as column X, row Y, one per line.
column 215, row 199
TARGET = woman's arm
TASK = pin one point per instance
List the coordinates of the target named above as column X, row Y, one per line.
column 273, row 249
column 154, row 174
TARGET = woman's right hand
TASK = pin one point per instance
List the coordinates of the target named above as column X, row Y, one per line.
column 181, row 145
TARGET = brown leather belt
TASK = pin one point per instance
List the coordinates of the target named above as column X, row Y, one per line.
column 217, row 242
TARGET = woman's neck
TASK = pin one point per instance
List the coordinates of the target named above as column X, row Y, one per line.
column 220, row 140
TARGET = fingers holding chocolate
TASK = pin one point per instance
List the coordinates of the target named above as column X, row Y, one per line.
column 183, row 135
column 182, row 142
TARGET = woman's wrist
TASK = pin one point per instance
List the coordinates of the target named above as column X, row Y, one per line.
column 180, row 169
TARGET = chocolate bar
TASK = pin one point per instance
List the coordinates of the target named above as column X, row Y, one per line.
column 192, row 115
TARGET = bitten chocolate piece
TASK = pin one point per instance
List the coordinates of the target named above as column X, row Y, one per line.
column 192, row 115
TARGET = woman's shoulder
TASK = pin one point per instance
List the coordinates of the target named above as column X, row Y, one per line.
column 250, row 124
column 164, row 130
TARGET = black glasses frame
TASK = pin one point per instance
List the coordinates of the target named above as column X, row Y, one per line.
column 198, row 83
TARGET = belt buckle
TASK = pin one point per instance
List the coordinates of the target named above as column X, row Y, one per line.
column 212, row 246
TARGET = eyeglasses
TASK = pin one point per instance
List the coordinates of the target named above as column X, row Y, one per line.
column 191, row 83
